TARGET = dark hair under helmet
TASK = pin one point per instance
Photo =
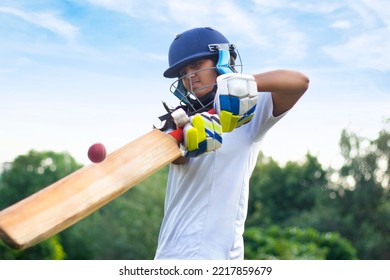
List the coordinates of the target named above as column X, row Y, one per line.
column 192, row 45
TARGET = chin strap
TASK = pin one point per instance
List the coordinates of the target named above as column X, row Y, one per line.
column 202, row 104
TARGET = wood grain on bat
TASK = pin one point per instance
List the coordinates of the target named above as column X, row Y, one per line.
column 67, row 201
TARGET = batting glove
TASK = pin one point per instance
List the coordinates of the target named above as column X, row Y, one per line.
column 203, row 134
column 235, row 100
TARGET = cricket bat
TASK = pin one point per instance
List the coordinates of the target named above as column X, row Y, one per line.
column 77, row 195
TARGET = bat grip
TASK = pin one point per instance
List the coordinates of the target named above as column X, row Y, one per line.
column 178, row 133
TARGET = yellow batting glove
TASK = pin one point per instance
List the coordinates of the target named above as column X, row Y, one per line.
column 203, row 134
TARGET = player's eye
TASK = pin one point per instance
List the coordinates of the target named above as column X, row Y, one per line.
column 182, row 73
column 194, row 66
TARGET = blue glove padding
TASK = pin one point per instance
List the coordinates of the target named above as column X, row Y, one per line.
column 235, row 100
column 203, row 134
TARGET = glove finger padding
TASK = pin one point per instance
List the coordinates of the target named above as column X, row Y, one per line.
column 235, row 100
column 203, row 134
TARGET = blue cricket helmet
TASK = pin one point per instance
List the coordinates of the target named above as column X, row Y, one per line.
column 193, row 45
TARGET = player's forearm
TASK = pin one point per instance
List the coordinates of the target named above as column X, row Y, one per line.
column 286, row 87
column 282, row 81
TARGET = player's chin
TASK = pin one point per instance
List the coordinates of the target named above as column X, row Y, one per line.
column 202, row 91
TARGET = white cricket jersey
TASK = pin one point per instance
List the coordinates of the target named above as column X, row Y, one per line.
column 207, row 198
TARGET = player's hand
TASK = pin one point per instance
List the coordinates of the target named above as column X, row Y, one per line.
column 203, row 134
column 235, row 100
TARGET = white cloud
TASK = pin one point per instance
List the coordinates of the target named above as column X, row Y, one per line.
column 227, row 16
column 242, row 24
column 47, row 20
column 140, row 9
column 157, row 56
column 369, row 50
column 372, row 13
column 299, row 5
column 341, row 24
column 380, row 7
column 366, row 27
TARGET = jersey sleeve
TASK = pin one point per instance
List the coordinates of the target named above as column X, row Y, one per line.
column 263, row 118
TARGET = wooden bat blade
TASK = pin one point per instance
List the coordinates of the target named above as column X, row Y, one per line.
column 72, row 198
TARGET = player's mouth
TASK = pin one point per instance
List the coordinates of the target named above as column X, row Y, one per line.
column 195, row 83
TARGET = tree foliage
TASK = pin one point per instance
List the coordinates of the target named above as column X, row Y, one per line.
column 361, row 192
column 24, row 176
column 358, row 205
column 50, row 249
column 296, row 211
column 29, row 173
column 293, row 243
column 280, row 193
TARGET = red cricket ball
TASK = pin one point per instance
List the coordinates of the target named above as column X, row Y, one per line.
column 97, row 153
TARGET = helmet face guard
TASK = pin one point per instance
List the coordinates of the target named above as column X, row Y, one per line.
column 188, row 96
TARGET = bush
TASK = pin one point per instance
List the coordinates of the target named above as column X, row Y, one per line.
column 294, row 243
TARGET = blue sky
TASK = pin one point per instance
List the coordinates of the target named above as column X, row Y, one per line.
column 73, row 73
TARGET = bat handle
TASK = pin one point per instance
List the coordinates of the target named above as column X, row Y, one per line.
column 178, row 133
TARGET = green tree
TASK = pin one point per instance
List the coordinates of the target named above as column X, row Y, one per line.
column 362, row 192
column 293, row 243
column 50, row 249
column 24, row 176
column 278, row 194
column 29, row 173
column 357, row 203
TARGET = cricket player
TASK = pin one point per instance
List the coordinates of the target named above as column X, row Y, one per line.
column 207, row 190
